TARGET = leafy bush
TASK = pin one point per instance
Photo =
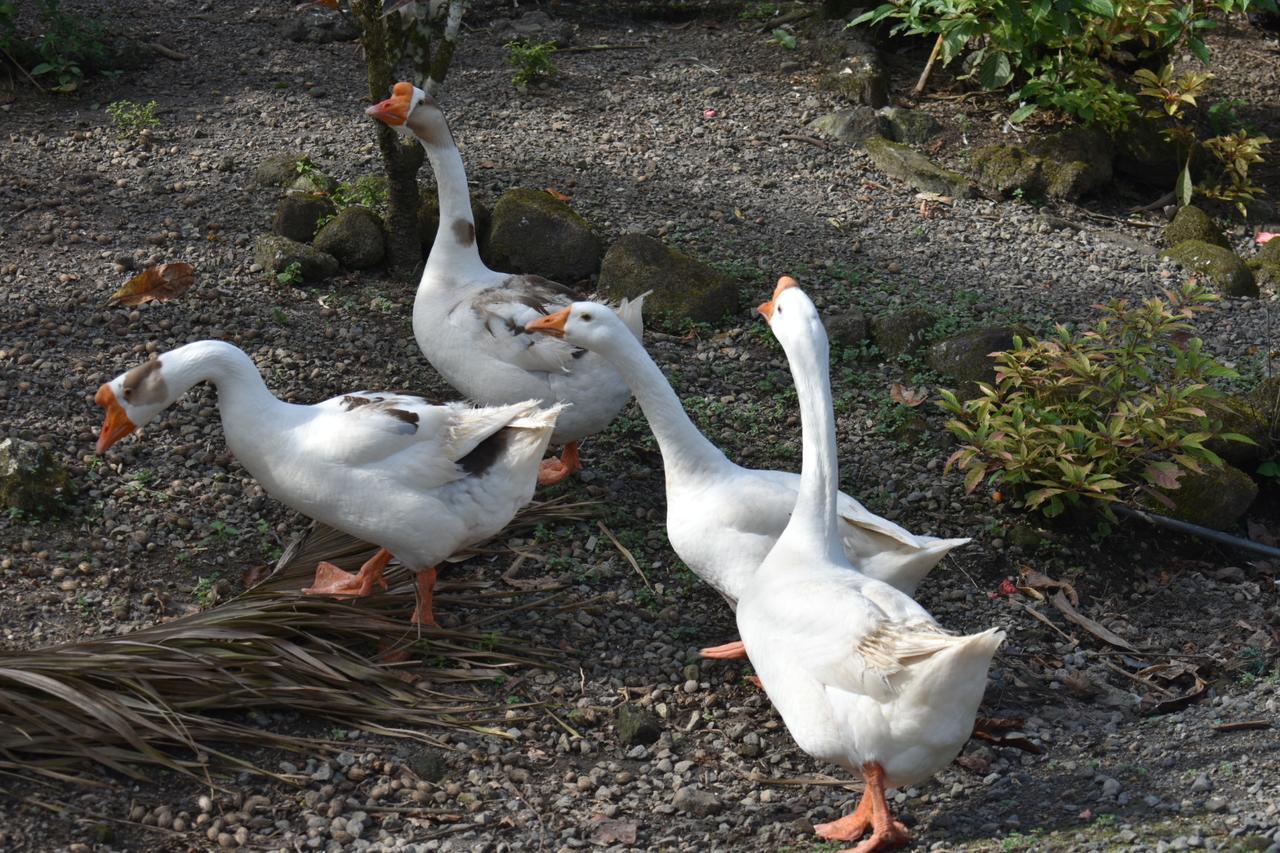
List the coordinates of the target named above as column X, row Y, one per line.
column 1097, row 415
column 129, row 118
column 66, row 46
column 1235, row 148
column 1065, row 55
column 369, row 191
column 531, row 59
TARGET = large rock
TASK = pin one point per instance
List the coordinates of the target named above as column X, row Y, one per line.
column 298, row 214
column 910, row 127
column 902, row 332
column 860, row 76
column 280, row 169
column 1192, row 223
column 1265, row 273
column 313, row 181
column 534, row 25
column 906, row 164
column 851, row 126
column 683, row 287
column 1218, row 498
column 847, row 328
column 693, row 800
column 966, row 358
column 31, row 480
column 275, row 254
column 1066, row 165
column 1224, row 270
column 1145, row 155
column 636, row 725
column 355, row 238
column 531, row 232
column 318, row 26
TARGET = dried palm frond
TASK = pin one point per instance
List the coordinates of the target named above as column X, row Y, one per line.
column 162, row 695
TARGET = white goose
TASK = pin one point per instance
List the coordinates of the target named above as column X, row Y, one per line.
column 418, row 480
column 722, row 519
column 469, row 320
column 861, row 674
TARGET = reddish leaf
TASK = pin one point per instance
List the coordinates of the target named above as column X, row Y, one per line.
column 1006, row 587
column 556, row 194
column 609, row 831
column 1163, row 474
column 1033, row 583
column 160, row 283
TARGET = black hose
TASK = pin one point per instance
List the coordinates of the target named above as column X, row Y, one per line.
column 1197, row 530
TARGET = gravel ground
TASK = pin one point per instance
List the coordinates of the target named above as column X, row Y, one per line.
column 171, row 522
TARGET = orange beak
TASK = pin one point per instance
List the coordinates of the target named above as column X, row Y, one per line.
column 117, row 424
column 394, row 111
column 552, row 324
column 765, row 309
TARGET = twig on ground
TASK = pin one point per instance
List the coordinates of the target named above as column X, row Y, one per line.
column 1242, row 725
column 622, row 549
column 812, row 140
column 168, row 52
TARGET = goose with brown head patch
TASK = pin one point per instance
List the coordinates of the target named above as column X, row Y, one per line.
column 421, row 481
column 470, row 320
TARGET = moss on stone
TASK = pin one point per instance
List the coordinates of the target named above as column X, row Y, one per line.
column 1218, row 498
column 532, row 232
column 966, row 358
column 1242, row 415
column 683, row 287
column 1192, row 223
column 275, row 254
column 1006, row 168
column 355, row 237
column 1224, row 270
column 908, row 165
column 31, row 480
column 902, row 332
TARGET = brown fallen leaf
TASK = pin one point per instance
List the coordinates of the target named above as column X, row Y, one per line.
column 158, row 283
column 610, row 831
column 975, row 764
column 1169, row 673
column 1032, row 584
column 1079, row 685
column 556, row 194
column 912, row 397
column 1072, row 615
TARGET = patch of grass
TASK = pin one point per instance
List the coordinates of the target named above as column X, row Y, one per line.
column 130, row 118
column 531, row 60
column 290, row 275
column 204, row 590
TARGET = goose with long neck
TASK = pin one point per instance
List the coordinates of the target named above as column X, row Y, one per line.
column 470, row 320
column 722, row 519
column 861, row 674
column 420, row 481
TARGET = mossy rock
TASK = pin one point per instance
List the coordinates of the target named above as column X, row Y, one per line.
column 1222, row 267
column 1265, row 398
column 279, row 170
column 910, row 166
column 1269, row 252
column 313, row 181
column 848, row 328
column 429, row 217
column 860, row 77
column 966, row 358
column 910, row 127
column 850, row 126
column 1267, row 275
column 1075, row 162
column 1007, row 169
column 1192, row 223
column 1144, row 155
column 637, row 726
column 297, row 215
column 902, row 332
column 1218, row 498
column 275, row 254
column 1242, row 415
column 355, row 237
column 683, row 287
column 532, row 232
column 31, row 480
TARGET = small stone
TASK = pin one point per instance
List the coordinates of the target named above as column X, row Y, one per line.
column 695, row 801
column 636, row 725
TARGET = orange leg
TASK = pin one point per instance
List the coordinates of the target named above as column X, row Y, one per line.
column 872, row 813
column 331, row 580
column 422, row 614
column 729, row 651
column 554, row 470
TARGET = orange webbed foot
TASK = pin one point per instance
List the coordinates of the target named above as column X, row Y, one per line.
column 426, row 584
column 872, row 813
column 331, row 580
column 554, row 470
column 729, row 651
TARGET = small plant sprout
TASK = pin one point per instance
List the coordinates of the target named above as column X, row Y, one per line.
column 291, row 275
column 130, row 118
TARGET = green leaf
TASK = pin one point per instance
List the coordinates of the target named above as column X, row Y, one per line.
column 1105, row 8
column 1198, row 48
column 1184, row 188
column 1022, row 113
column 42, row 68
column 995, row 72
column 972, row 478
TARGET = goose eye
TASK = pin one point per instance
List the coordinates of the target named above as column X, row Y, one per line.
column 778, row 308
column 586, row 318
column 128, row 392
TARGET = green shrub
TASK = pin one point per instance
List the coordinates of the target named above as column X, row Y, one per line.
column 1096, row 415
column 531, row 59
column 67, row 44
column 1063, row 55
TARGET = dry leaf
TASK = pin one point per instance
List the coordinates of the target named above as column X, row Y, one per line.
column 556, row 194
column 975, row 764
column 1031, row 584
column 160, row 283
column 608, row 831
column 912, row 397
column 1060, row 601
column 1079, row 685
column 1171, row 672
